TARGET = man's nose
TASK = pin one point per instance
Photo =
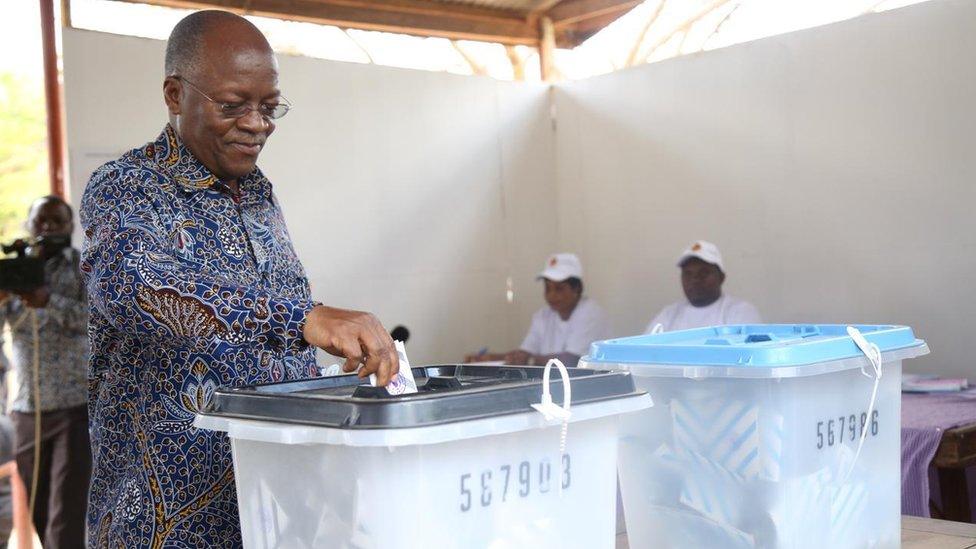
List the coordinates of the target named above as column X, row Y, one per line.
column 254, row 122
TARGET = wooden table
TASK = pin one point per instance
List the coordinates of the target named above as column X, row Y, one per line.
column 956, row 452
column 916, row 533
column 922, row 533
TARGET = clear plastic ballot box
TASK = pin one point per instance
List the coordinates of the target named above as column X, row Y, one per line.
column 466, row 462
column 773, row 436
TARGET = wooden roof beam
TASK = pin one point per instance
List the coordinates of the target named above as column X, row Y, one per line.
column 570, row 36
column 570, row 12
column 572, row 20
column 417, row 17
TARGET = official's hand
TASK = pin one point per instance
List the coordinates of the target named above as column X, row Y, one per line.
column 517, row 357
column 357, row 336
column 36, row 298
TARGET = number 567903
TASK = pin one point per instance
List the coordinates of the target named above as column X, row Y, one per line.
column 497, row 485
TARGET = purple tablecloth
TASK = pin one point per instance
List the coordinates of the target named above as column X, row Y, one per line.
column 923, row 419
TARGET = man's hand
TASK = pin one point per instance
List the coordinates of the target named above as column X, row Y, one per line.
column 358, row 337
column 36, row 298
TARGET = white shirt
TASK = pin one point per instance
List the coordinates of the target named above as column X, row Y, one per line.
column 549, row 334
column 683, row 315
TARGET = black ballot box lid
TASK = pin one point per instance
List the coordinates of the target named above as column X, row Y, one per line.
column 446, row 394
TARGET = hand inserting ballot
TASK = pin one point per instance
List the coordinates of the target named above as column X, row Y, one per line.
column 358, row 337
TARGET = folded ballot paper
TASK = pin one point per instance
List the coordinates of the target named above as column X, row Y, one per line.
column 402, row 383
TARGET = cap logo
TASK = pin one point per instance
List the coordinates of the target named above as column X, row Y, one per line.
column 552, row 262
column 696, row 248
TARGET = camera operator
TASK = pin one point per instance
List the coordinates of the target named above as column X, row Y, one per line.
column 58, row 390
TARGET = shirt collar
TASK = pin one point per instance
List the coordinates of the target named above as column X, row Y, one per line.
column 169, row 152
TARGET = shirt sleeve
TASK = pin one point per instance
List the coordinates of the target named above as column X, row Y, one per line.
column 743, row 313
column 533, row 339
column 593, row 326
column 140, row 285
column 4, row 361
column 4, row 316
column 69, row 313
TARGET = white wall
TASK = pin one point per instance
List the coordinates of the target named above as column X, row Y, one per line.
column 410, row 194
column 834, row 167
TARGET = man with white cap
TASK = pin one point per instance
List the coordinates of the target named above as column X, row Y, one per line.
column 702, row 275
column 565, row 327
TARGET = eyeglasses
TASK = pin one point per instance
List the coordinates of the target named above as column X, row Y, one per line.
column 270, row 111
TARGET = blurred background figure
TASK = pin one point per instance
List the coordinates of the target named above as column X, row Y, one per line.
column 565, row 327
column 702, row 276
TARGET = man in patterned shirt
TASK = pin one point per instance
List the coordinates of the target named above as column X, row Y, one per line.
column 61, row 310
column 194, row 284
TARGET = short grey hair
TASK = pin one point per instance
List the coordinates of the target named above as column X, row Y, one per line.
column 184, row 49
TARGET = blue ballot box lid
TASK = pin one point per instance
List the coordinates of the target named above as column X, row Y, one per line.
column 753, row 346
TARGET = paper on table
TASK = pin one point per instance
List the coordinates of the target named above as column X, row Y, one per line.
column 914, row 383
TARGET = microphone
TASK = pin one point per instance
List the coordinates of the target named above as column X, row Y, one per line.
column 400, row 333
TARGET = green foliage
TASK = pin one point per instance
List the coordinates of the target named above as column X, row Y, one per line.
column 23, row 151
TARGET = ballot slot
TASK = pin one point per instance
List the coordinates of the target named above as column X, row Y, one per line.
column 446, row 393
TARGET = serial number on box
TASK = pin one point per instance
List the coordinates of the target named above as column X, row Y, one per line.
column 847, row 428
column 499, row 485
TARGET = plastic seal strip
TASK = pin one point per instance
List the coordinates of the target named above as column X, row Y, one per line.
column 873, row 353
column 548, row 409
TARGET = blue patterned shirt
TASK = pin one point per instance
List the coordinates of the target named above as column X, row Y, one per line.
column 190, row 289
column 62, row 327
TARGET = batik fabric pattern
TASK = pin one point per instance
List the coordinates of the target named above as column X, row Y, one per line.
column 62, row 350
column 190, row 288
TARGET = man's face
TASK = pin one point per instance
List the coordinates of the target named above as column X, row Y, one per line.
column 701, row 281
column 233, row 75
column 561, row 297
column 49, row 218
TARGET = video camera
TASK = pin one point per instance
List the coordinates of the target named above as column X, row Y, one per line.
column 24, row 271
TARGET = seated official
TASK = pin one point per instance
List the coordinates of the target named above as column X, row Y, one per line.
column 565, row 327
column 702, row 275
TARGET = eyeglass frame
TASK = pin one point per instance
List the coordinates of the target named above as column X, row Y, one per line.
column 222, row 105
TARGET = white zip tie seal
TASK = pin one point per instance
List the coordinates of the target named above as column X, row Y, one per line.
column 548, row 409
column 873, row 353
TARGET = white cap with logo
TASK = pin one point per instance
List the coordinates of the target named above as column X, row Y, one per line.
column 560, row 267
column 704, row 250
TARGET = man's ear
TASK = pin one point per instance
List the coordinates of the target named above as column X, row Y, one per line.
column 173, row 94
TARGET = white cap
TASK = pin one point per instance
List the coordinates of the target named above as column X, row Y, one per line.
column 704, row 250
column 559, row 267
